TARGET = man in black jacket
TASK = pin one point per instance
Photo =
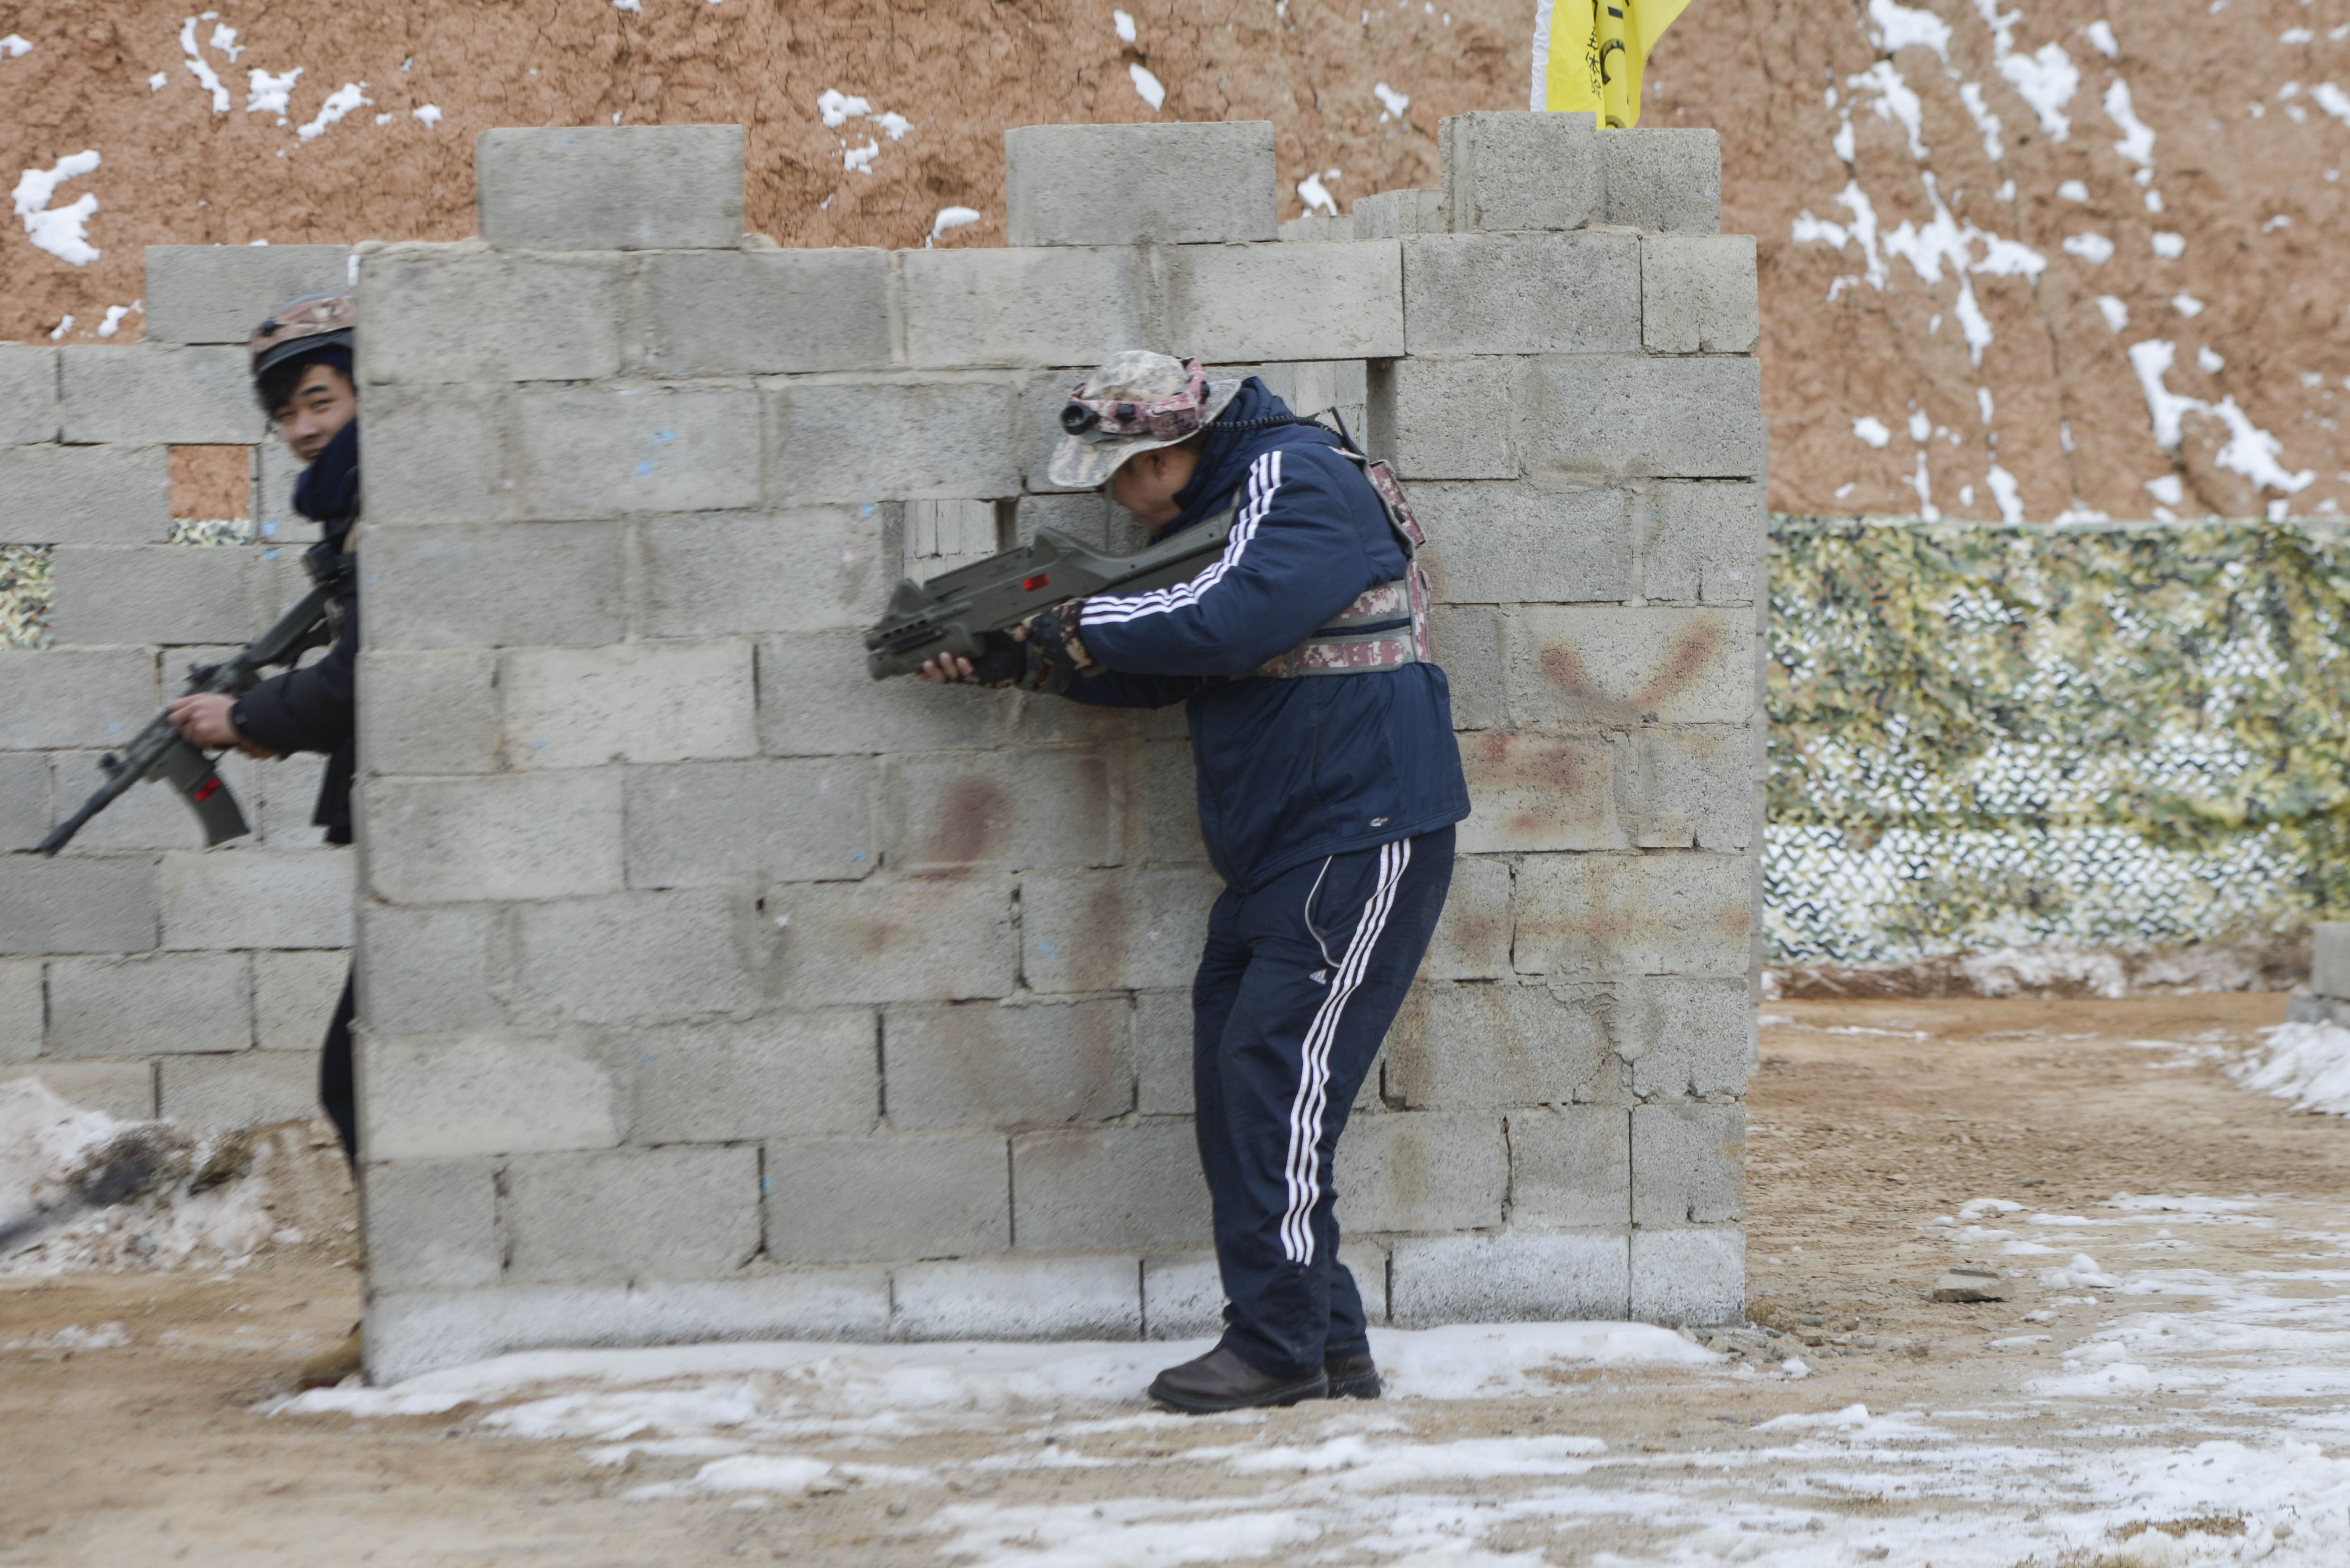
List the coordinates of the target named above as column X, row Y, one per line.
column 302, row 373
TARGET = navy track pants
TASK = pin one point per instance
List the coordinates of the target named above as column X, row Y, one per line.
column 1295, row 994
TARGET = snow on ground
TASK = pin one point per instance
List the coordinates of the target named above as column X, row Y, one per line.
column 2308, row 1063
column 2173, row 1410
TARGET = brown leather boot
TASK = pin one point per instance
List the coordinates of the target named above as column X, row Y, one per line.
column 1222, row 1381
column 1353, row 1376
column 329, row 1367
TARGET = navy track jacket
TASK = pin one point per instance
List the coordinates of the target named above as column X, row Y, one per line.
column 1290, row 771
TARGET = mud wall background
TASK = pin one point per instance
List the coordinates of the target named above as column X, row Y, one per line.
column 2231, row 116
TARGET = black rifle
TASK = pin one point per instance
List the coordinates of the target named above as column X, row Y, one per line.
column 953, row 611
column 159, row 752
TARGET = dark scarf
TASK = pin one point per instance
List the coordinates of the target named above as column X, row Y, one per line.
column 328, row 491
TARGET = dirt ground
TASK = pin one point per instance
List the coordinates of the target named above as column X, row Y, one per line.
column 1870, row 1121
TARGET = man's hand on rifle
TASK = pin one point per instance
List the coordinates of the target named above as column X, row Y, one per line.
column 202, row 720
column 950, row 668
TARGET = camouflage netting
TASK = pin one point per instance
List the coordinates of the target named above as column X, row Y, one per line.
column 1988, row 736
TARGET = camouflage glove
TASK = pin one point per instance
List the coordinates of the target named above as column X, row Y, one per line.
column 1057, row 654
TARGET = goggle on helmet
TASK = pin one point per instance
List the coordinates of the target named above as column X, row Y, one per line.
column 1121, row 419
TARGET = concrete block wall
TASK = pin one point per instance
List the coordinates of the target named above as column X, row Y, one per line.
column 708, row 988
column 140, row 973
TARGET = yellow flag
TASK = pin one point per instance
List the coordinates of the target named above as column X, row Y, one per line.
column 1588, row 54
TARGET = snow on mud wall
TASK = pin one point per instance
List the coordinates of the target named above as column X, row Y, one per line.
column 710, row 989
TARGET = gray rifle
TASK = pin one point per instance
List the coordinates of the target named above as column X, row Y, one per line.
column 954, row 612
column 159, row 752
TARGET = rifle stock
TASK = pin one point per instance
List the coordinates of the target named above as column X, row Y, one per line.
column 158, row 752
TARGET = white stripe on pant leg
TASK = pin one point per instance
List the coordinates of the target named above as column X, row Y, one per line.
column 1306, row 1112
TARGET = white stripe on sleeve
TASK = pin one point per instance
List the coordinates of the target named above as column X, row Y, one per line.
column 1111, row 609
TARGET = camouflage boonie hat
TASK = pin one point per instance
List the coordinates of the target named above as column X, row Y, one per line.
column 301, row 325
column 1137, row 401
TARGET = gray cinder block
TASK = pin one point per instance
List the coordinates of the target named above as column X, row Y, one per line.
column 1523, row 294
column 275, row 472
column 1688, row 1275
column 814, row 700
column 738, row 313
column 293, row 997
column 1467, row 642
column 430, row 1224
column 1599, row 916
column 436, row 314
column 1703, row 540
column 1571, row 1166
column 675, row 1214
column 434, row 454
column 1526, row 543
column 981, row 1064
column 1663, row 181
column 1509, row 1279
column 809, row 569
column 1690, row 788
column 121, row 1089
column 591, row 452
column 2329, row 965
column 1480, row 1047
column 1233, row 304
column 1078, row 1297
column 617, row 188
column 219, row 293
column 246, row 897
column 1171, row 786
column 1394, row 213
column 1688, row 1163
column 198, row 395
column 1696, row 418
column 1698, row 294
column 60, row 697
column 504, row 836
column 707, row 825
column 577, row 707
column 861, row 1200
column 1627, row 666
column 424, row 970
column 27, row 811
column 784, row 1075
column 413, row 1332
column 1444, row 418
column 1539, row 792
column 922, row 938
column 1422, row 1170
column 24, row 1008
column 1685, row 1036
column 1113, row 930
column 1316, row 228
column 948, row 435
column 428, row 712
column 28, row 393
column 167, row 594
column 649, row 957
column 1162, row 1044
column 1126, row 184
column 1515, row 169
column 1472, row 936
column 149, row 1005
column 85, row 494
column 1117, row 1189
column 957, row 811
column 1069, row 305
column 208, row 1094
column 490, row 585
column 450, row 1096
column 80, row 904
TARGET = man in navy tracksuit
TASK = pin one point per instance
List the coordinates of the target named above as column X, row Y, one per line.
column 1328, row 783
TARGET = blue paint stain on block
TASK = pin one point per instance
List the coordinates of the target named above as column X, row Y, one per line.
column 1043, row 946
column 646, row 466
column 665, row 437
column 858, row 856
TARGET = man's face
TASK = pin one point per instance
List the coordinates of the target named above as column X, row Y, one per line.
column 1146, row 484
column 323, row 402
